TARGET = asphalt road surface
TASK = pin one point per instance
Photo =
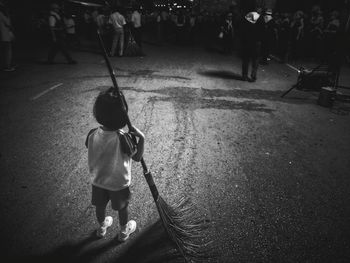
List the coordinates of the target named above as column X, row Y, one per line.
column 269, row 175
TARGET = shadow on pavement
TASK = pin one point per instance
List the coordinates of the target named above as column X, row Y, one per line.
column 151, row 245
column 221, row 74
column 70, row 252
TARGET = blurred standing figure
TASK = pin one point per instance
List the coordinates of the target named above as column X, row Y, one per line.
column 331, row 33
column 165, row 24
column 297, row 34
column 250, row 45
column 6, row 37
column 58, row 36
column 192, row 28
column 284, row 38
column 137, row 26
column 104, row 27
column 88, row 24
column 180, row 21
column 268, row 36
column 118, row 22
column 94, row 15
column 159, row 26
column 69, row 23
column 228, row 34
column 316, row 31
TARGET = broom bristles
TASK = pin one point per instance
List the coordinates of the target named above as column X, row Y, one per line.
column 184, row 228
column 132, row 49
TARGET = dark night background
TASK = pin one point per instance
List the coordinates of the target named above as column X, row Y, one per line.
column 268, row 174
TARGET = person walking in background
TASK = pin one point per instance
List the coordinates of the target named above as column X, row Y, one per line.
column 192, row 24
column 72, row 38
column 158, row 26
column 94, row 15
column 137, row 26
column 250, row 34
column 228, row 34
column 7, row 37
column 165, row 24
column 88, row 24
column 331, row 33
column 110, row 165
column 316, row 32
column 57, row 36
column 269, row 36
column 105, row 28
column 284, row 38
column 180, row 21
column 297, row 34
column 118, row 21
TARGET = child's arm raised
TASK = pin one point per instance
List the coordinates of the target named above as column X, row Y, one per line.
column 140, row 143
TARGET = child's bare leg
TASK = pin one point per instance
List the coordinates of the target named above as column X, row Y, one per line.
column 104, row 221
column 123, row 216
column 100, row 214
column 126, row 227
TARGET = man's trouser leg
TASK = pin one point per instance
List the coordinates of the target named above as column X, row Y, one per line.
column 255, row 65
column 63, row 48
column 245, row 66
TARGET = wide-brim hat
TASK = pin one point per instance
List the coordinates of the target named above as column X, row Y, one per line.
column 268, row 12
column 252, row 17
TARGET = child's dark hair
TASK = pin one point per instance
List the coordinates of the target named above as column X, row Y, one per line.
column 108, row 110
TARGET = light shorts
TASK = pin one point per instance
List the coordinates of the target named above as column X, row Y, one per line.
column 119, row 199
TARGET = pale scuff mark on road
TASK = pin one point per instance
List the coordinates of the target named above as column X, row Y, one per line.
column 46, row 91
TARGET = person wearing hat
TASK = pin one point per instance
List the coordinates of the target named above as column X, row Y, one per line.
column 268, row 36
column 6, row 37
column 250, row 36
column 57, row 36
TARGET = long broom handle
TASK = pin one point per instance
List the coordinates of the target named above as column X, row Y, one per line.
column 146, row 172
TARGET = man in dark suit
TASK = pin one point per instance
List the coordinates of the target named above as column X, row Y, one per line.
column 250, row 35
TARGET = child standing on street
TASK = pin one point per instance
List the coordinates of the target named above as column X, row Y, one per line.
column 109, row 165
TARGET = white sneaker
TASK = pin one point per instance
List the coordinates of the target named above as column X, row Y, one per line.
column 101, row 231
column 126, row 230
column 10, row 69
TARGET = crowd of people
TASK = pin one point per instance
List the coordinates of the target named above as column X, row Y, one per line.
column 288, row 36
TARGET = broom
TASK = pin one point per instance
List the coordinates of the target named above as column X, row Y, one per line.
column 180, row 222
column 132, row 48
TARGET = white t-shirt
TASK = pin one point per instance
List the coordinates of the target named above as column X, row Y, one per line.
column 117, row 20
column 136, row 19
column 109, row 167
